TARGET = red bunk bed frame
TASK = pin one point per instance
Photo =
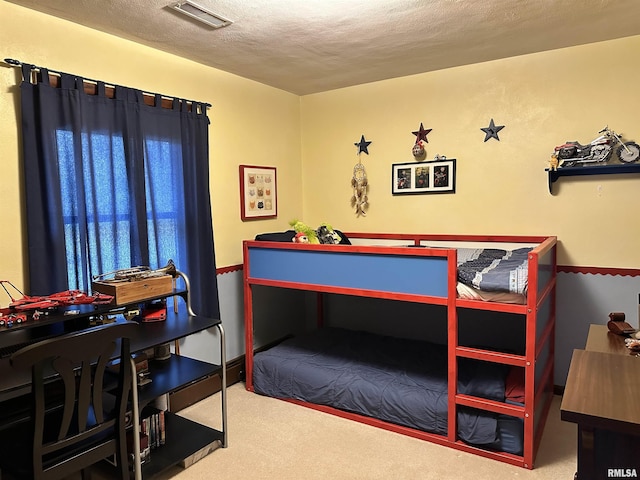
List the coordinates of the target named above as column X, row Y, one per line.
column 295, row 266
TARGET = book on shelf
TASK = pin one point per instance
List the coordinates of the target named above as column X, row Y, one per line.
column 145, row 450
column 153, row 425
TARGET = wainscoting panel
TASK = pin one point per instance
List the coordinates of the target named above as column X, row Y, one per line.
column 586, row 296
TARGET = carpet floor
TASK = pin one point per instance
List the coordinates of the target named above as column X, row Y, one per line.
column 273, row 439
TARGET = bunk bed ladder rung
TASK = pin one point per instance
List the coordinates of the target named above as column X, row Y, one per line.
column 490, row 405
column 491, row 356
column 491, row 306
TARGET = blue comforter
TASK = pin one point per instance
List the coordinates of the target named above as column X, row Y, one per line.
column 396, row 380
column 494, row 270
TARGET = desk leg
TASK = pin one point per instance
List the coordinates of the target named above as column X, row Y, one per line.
column 223, row 388
column 586, row 453
column 606, row 454
column 137, row 468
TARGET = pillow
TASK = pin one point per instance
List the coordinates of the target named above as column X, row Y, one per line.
column 277, row 236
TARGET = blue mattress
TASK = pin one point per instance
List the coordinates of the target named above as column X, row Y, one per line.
column 396, row 380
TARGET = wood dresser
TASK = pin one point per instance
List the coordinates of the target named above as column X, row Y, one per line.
column 602, row 396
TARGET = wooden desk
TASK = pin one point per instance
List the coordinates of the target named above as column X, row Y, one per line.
column 189, row 439
column 602, row 395
column 600, row 339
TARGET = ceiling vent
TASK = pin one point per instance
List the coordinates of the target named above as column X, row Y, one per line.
column 201, row 14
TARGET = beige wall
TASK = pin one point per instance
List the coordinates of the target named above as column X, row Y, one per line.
column 250, row 122
column 542, row 99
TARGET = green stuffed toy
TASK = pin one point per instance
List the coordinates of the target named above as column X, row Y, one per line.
column 300, row 227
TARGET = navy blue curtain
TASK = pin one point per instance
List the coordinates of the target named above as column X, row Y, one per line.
column 112, row 183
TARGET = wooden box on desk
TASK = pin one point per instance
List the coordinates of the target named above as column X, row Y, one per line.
column 136, row 290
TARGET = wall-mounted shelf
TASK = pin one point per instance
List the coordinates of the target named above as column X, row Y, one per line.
column 594, row 170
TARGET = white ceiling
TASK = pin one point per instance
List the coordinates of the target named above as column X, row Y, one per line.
column 309, row 46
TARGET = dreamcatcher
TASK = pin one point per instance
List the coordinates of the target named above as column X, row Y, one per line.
column 359, row 182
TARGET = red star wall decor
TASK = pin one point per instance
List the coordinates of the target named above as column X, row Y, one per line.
column 421, row 134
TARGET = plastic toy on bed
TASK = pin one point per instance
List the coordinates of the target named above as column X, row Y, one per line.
column 324, row 234
column 310, row 233
column 300, row 238
column 327, row 235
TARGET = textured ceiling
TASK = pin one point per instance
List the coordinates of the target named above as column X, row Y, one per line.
column 309, row 46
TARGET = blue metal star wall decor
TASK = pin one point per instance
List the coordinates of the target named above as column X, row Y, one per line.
column 421, row 133
column 363, row 145
column 492, row 131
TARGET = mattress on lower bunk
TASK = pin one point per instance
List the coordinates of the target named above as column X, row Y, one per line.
column 396, row 380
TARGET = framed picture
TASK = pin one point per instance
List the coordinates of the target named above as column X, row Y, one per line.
column 258, row 192
column 437, row 176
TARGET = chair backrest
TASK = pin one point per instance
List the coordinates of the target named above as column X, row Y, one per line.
column 74, row 432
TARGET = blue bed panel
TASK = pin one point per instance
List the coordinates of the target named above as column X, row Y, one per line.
column 546, row 269
column 543, row 316
column 408, row 274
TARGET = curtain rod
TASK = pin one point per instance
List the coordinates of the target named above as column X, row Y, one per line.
column 17, row 63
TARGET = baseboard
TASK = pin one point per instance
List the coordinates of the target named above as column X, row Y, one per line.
column 235, row 371
column 201, row 389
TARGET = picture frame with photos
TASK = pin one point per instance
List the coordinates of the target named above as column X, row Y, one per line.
column 258, row 192
column 417, row 178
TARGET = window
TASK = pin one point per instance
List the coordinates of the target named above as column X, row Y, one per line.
column 112, row 182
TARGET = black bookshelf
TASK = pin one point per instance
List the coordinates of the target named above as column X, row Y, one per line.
column 186, row 440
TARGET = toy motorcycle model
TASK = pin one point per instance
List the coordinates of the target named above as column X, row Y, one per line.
column 599, row 150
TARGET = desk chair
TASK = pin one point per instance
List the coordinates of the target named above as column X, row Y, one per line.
column 73, row 431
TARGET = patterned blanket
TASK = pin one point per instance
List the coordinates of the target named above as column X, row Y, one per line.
column 494, row 270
